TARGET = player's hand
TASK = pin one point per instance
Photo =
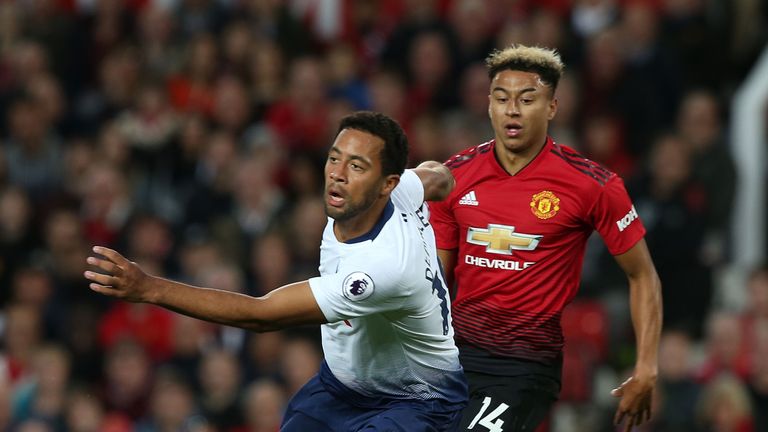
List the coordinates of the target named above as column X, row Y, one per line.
column 635, row 405
column 118, row 277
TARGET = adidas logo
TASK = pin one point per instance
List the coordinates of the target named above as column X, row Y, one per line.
column 469, row 199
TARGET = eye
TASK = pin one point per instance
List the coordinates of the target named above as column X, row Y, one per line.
column 356, row 167
column 333, row 159
column 501, row 100
column 527, row 100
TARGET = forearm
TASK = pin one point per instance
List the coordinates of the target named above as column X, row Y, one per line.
column 645, row 305
column 213, row 305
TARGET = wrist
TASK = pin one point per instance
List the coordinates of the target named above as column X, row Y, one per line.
column 646, row 371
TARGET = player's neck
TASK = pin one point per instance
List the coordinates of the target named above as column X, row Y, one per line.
column 513, row 161
column 361, row 224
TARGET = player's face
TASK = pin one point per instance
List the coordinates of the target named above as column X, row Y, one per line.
column 520, row 107
column 353, row 180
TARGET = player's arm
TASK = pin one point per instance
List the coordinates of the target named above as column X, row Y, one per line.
column 437, row 180
column 448, row 261
column 286, row 306
column 645, row 306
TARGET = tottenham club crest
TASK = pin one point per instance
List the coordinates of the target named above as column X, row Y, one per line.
column 545, row 204
column 357, row 286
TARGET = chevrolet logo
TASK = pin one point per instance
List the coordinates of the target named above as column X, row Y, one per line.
column 502, row 239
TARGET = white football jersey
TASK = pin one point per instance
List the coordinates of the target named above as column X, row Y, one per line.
column 389, row 329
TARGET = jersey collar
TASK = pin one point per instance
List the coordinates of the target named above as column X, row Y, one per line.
column 389, row 210
column 528, row 168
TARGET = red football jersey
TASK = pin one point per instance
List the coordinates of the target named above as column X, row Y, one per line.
column 520, row 244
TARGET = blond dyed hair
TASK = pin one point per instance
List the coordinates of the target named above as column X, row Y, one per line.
column 545, row 62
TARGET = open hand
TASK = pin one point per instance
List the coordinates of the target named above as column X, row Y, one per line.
column 635, row 405
column 119, row 277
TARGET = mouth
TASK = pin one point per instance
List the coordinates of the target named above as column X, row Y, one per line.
column 513, row 129
column 334, row 198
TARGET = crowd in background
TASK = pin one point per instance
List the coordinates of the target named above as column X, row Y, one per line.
column 190, row 135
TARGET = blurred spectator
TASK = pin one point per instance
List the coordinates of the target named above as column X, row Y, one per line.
column 84, row 412
column 264, row 355
column 171, row 406
column 236, row 40
column 271, row 263
column 192, row 89
column 231, row 105
column 33, row 150
column 21, row 336
column 678, row 392
column 220, row 379
column 263, row 405
column 190, row 337
column 265, row 75
column 17, row 234
column 673, row 207
column 300, row 360
column 652, row 68
column 431, row 73
column 106, row 205
column 127, row 380
column 160, row 50
column 273, row 20
column 699, row 125
column 300, row 118
column 724, row 340
column 146, row 325
column 687, row 30
column 603, row 143
column 725, row 406
column 33, row 287
column 113, row 92
column 472, row 23
column 149, row 125
column 344, row 77
column 42, row 394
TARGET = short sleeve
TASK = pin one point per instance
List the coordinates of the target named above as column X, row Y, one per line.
column 409, row 193
column 358, row 290
column 614, row 216
column 445, row 225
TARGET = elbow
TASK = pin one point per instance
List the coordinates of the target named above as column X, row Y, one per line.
column 444, row 185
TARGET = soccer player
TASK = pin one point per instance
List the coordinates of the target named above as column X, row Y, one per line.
column 513, row 233
column 390, row 359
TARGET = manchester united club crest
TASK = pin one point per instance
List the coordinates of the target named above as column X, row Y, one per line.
column 545, row 205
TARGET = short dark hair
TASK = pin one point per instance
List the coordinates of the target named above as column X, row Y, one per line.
column 542, row 61
column 394, row 156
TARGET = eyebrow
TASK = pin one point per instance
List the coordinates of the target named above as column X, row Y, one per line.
column 525, row 90
column 354, row 157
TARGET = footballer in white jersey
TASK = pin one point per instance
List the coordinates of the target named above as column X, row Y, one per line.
column 388, row 311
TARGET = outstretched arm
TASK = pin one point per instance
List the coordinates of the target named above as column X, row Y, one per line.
column 287, row 306
column 645, row 305
column 437, row 180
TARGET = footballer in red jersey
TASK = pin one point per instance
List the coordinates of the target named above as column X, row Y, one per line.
column 512, row 236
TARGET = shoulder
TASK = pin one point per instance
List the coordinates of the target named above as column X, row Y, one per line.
column 469, row 156
column 581, row 170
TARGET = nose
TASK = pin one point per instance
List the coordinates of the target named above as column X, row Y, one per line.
column 336, row 176
column 512, row 108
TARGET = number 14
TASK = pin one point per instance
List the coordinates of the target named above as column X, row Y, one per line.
column 488, row 421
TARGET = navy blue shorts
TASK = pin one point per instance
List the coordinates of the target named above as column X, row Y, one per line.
column 318, row 408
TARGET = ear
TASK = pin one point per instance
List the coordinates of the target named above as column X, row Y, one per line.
column 489, row 106
column 552, row 108
column 390, row 183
